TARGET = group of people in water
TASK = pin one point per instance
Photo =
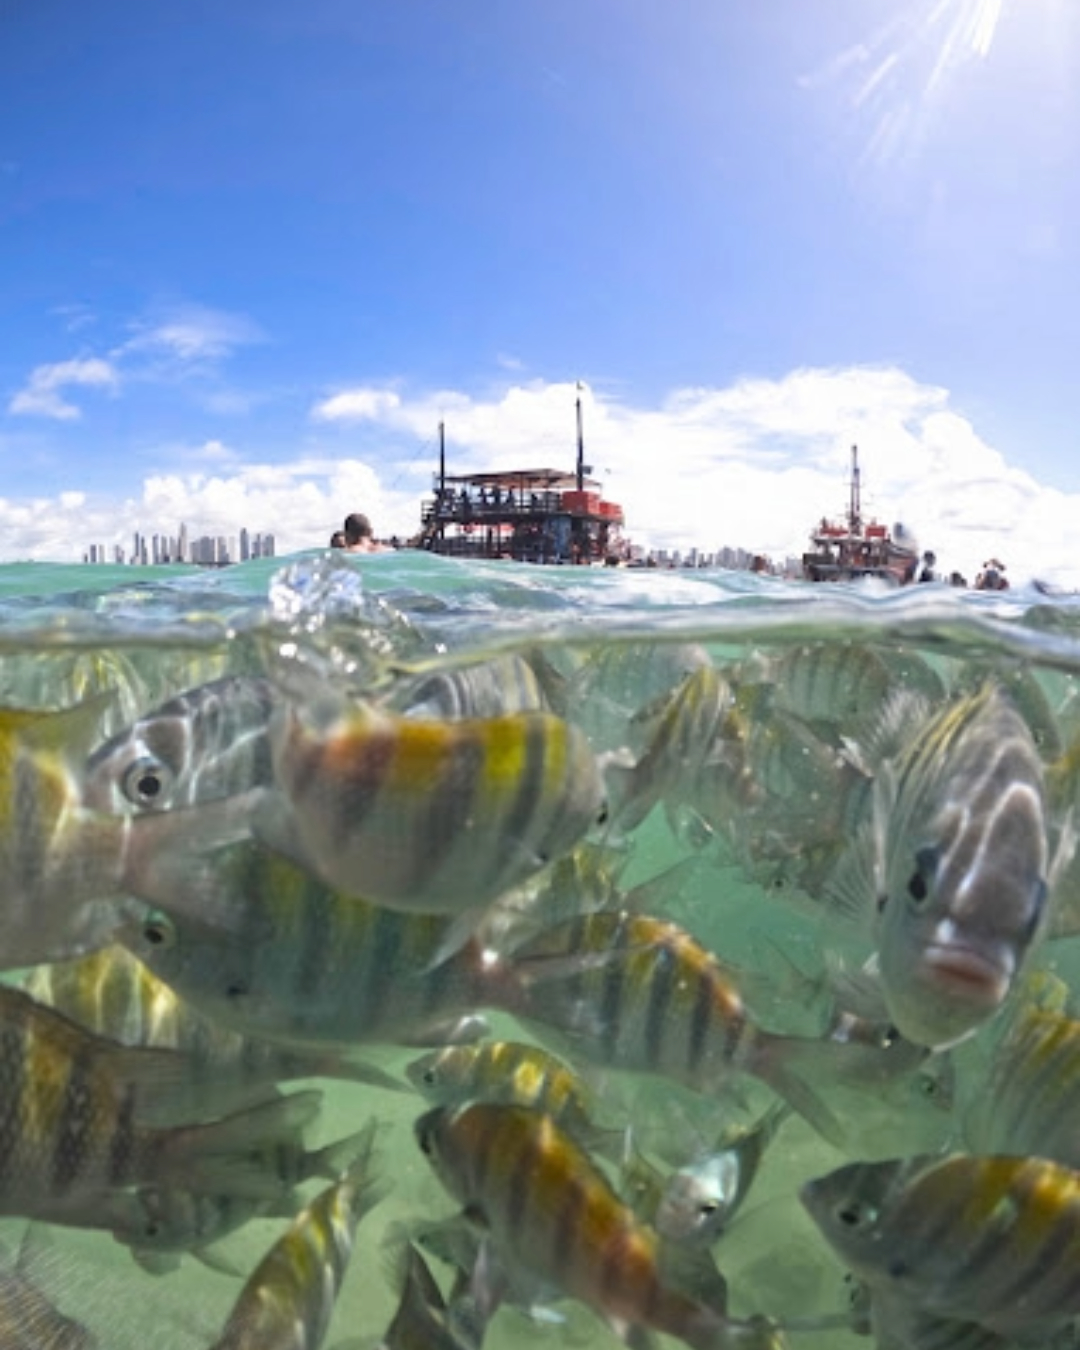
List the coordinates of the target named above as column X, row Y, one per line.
column 357, row 536
column 991, row 578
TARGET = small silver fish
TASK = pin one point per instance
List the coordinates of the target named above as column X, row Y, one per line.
column 699, row 1201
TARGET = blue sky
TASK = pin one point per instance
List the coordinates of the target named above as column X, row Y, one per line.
column 756, row 231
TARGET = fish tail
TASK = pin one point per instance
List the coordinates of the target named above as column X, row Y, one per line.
column 788, row 1064
column 238, row 1155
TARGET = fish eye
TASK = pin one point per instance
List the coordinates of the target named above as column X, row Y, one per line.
column 708, row 1207
column 602, row 815
column 146, row 782
column 159, row 932
column 890, row 1036
column 430, row 1077
column 855, row 1213
column 926, row 863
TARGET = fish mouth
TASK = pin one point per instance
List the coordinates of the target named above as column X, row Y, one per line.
column 979, row 977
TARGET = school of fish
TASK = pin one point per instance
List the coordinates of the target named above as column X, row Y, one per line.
column 627, row 948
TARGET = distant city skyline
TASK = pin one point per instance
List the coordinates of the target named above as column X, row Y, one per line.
column 207, row 550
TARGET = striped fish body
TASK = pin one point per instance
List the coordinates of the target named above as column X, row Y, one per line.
column 203, row 745
column 1030, row 1102
column 639, row 993
column 293, row 961
column 512, row 1073
column 548, row 1210
column 71, row 1126
column 434, row 816
column 993, row 1240
column 688, row 733
column 289, row 1299
column 961, row 867
column 497, row 687
column 113, row 993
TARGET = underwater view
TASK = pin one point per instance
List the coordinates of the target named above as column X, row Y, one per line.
column 418, row 952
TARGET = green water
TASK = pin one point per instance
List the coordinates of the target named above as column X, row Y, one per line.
column 71, row 633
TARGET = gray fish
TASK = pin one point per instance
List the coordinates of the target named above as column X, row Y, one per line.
column 29, row 1320
column 959, row 867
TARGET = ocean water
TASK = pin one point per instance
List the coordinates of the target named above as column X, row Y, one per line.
column 613, row 644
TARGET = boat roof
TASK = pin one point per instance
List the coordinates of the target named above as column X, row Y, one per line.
column 532, row 480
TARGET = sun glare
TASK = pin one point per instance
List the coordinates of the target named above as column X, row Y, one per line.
column 897, row 75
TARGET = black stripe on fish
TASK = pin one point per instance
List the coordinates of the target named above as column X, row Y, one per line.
column 73, row 1126
column 521, row 819
column 661, row 984
column 444, row 810
column 122, row 1143
column 15, row 1049
column 700, row 1022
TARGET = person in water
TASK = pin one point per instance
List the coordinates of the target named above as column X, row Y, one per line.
column 337, row 539
column 992, row 577
column 359, row 537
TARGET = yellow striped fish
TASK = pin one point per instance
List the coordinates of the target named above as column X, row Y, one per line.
column 427, row 815
column 113, row 993
column 1030, row 1100
column 71, row 1124
column 639, row 993
column 265, row 948
column 986, row 1239
column 513, row 1073
column 289, row 1299
column 547, row 1209
column 29, row 1320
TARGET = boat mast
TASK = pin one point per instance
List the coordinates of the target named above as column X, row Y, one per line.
column 580, row 448
column 855, row 504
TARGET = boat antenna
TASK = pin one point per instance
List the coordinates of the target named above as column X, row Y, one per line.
column 442, row 459
column 580, row 446
column 855, row 505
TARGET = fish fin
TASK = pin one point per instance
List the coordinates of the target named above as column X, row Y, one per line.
column 788, row 1064
column 73, row 730
column 457, row 933
column 464, row 1030
column 214, row 1257
column 230, row 1156
column 489, row 1283
column 355, row 1152
column 851, row 891
column 692, row 1270
column 155, row 1262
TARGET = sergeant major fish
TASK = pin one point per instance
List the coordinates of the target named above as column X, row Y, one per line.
column 433, row 816
column 992, row 1240
column 546, row 1208
column 63, row 866
column 289, row 1298
column 263, row 947
column 72, row 1126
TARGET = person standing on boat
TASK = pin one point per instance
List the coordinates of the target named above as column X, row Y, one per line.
column 929, row 559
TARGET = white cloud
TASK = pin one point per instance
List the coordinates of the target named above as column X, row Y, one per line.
column 752, row 464
column 357, row 405
column 189, row 333
column 41, row 396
